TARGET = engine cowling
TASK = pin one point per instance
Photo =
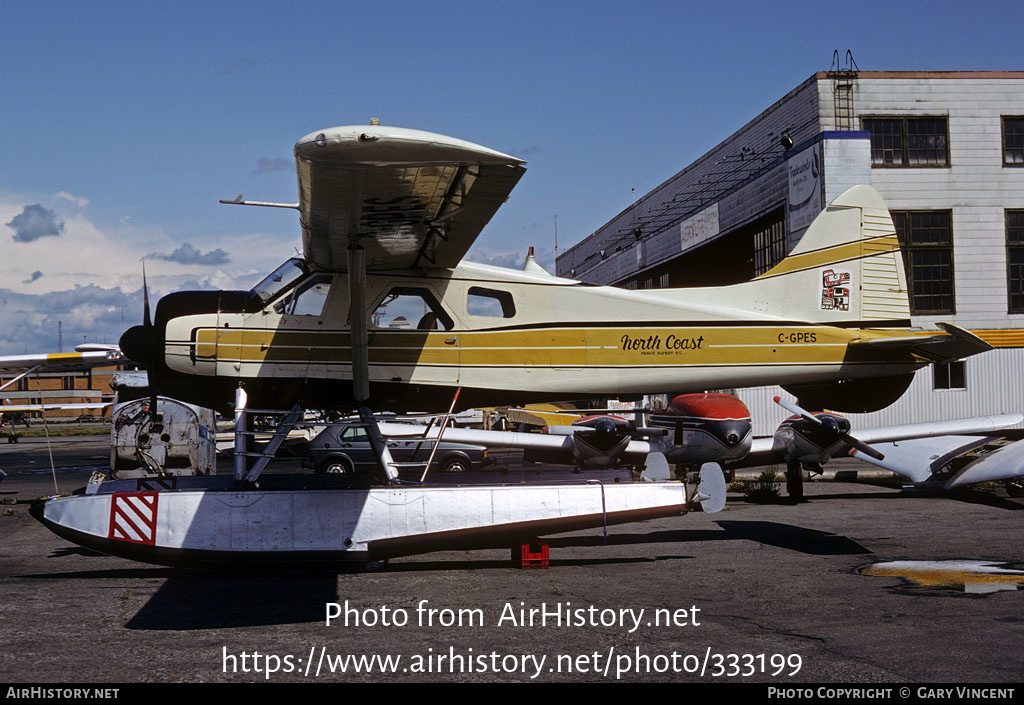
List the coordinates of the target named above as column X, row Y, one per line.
column 705, row 427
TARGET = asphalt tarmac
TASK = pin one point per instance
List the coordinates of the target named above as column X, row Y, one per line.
column 761, row 592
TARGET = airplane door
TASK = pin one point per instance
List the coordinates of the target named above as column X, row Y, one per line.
column 413, row 338
column 282, row 340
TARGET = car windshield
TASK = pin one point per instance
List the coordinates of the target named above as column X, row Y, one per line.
column 280, row 279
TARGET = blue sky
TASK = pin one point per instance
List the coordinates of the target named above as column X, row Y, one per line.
column 124, row 123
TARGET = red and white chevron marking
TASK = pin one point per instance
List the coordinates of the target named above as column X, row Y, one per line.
column 133, row 517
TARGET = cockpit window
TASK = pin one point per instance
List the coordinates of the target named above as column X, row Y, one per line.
column 410, row 308
column 280, row 279
column 307, row 299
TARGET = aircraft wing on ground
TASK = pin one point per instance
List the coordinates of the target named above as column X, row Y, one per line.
column 771, row 450
column 409, row 198
column 60, row 362
column 636, row 449
column 84, row 406
column 950, row 462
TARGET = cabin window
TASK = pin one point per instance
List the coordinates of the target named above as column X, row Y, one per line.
column 410, row 308
column 490, row 303
column 949, row 375
column 926, row 240
column 909, row 141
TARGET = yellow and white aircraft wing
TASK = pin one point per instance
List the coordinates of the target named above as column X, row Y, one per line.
column 60, row 362
column 411, row 199
column 83, row 406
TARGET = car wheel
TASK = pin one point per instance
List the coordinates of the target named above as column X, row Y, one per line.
column 1015, row 487
column 334, row 465
column 455, row 463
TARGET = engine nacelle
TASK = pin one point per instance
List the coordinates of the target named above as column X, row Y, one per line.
column 705, row 428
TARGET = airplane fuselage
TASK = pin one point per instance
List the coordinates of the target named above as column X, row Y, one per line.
column 501, row 335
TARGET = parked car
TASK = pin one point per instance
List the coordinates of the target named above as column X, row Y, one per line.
column 345, row 447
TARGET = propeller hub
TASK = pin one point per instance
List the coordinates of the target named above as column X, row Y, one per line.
column 137, row 344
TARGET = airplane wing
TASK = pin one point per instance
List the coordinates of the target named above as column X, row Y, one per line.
column 980, row 459
column 60, row 362
column 499, row 439
column 409, row 198
column 771, row 450
column 84, row 406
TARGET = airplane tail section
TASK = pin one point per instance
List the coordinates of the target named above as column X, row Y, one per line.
column 847, row 267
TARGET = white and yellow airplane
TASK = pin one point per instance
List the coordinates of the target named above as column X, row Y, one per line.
column 382, row 311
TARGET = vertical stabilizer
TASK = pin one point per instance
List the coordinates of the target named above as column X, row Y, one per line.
column 847, row 267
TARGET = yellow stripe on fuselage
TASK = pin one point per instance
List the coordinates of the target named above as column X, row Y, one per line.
column 550, row 347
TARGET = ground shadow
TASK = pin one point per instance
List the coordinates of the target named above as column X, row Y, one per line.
column 788, row 536
column 189, row 601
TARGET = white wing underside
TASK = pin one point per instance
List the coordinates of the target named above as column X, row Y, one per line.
column 411, row 199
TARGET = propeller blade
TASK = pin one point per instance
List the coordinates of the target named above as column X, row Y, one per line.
column 844, row 437
column 861, row 446
column 147, row 329
column 146, row 320
column 794, row 409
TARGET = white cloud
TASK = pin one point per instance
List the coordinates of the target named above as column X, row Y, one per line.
column 83, row 277
column 77, row 200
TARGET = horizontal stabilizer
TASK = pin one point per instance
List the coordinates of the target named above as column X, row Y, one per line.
column 956, row 344
column 711, row 490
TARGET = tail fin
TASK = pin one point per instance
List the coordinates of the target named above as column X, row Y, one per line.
column 847, row 266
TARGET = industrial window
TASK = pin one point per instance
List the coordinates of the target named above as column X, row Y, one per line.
column 926, row 239
column 1015, row 261
column 907, row 141
column 1013, row 141
column 949, row 375
column 769, row 247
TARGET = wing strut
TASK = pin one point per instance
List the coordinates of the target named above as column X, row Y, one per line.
column 23, row 374
column 361, row 359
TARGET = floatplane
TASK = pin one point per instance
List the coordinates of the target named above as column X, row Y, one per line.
column 382, row 312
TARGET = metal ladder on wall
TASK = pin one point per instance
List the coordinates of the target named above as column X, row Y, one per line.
column 843, row 80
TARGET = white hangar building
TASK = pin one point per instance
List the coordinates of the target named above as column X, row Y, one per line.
column 946, row 151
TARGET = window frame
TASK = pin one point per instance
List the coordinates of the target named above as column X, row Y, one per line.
column 902, row 220
column 1014, row 246
column 1002, row 132
column 443, row 318
column 504, row 299
column 905, row 149
column 946, row 374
